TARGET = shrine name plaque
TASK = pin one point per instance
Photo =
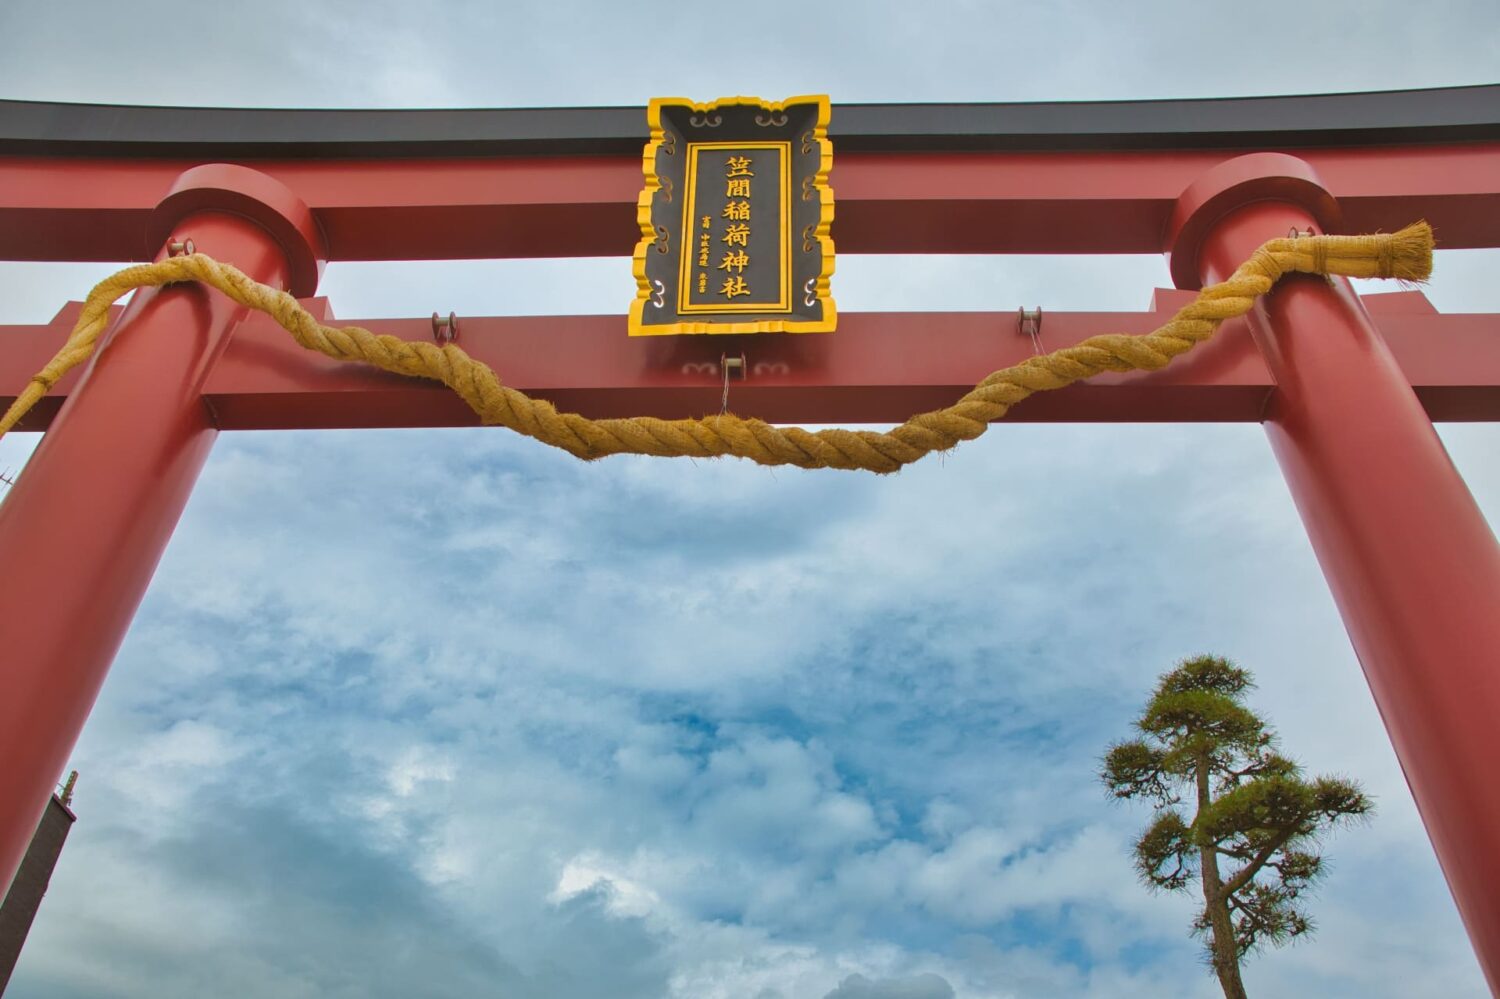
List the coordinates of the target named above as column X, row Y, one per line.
column 735, row 218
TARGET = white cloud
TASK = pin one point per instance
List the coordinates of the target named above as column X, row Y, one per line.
column 925, row 986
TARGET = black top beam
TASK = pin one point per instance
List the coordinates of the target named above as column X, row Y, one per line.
column 1448, row 114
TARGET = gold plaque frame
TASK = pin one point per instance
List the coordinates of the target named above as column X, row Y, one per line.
column 815, row 237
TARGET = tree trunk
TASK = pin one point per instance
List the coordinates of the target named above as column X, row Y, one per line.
column 1226, row 958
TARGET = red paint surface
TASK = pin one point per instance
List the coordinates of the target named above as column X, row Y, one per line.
column 85, row 525
column 1413, row 566
column 878, row 368
column 982, row 202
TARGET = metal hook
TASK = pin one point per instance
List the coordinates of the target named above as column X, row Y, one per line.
column 727, row 364
column 444, row 330
column 1029, row 323
column 659, row 298
column 809, row 297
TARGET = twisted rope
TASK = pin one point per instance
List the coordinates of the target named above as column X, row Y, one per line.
column 1405, row 255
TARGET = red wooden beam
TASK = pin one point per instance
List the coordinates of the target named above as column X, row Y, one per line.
column 878, row 368
column 58, row 208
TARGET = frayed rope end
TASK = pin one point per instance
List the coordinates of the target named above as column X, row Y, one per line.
column 1410, row 253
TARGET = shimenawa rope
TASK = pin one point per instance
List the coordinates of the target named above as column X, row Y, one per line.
column 1406, row 255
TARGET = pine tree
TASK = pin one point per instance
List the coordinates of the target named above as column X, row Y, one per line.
column 1254, row 813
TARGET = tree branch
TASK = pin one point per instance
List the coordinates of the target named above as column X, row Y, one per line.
column 1244, row 874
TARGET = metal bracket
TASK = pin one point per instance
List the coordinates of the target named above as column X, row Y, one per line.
column 445, row 330
column 726, row 365
column 1029, row 323
column 1320, row 254
column 181, row 247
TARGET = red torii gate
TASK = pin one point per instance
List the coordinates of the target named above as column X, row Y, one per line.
column 1347, row 388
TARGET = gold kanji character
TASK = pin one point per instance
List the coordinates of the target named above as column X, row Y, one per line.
column 736, row 261
column 737, row 235
column 734, row 286
column 705, row 221
column 739, row 211
column 739, row 166
column 737, row 188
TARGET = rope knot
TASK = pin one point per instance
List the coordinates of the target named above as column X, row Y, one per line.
column 1319, row 254
column 1265, row 261
column 1385, row 259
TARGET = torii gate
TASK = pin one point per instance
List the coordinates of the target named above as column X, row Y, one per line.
column 1346, row 387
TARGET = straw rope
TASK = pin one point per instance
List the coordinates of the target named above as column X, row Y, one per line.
column 1405, row 255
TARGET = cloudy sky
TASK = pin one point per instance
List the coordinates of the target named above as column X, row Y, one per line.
column 448, row 713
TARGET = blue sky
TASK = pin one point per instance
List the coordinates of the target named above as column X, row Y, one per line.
column 449, row 713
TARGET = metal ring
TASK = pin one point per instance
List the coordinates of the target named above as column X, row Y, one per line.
column 445, row 330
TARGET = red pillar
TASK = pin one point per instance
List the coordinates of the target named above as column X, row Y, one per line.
column 85, row 525
column 1413, row 566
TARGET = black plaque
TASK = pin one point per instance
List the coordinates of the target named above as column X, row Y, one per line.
column 735, row 219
